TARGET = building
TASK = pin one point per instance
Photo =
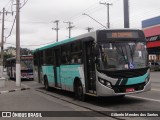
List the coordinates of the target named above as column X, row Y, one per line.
column 151, row 28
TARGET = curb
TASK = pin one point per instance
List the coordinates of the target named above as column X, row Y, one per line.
column 14, row 90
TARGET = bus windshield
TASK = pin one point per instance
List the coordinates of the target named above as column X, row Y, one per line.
column 26, row 64
column 122, row 55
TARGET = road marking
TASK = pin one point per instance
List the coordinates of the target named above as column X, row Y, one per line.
column 155, row 100
column 155, row 89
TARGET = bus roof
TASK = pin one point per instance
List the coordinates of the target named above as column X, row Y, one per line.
column 64, row 41
column 54, row 44
column 76, row 38
column 13, row 58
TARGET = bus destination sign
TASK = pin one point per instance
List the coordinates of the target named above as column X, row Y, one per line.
column 121, row 34
column 26, row 57
column 124, row 34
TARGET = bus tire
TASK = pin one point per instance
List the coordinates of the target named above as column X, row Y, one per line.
column 46, row 85
column 78, row 89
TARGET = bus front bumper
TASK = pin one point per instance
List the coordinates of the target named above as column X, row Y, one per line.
column 27, row 77
column 116, row 91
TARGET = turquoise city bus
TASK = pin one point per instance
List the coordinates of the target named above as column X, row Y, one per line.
column 99, row 63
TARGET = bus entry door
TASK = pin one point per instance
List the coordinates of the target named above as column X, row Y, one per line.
column 89, row 66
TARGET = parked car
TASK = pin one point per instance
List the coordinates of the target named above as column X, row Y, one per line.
column 154, row 66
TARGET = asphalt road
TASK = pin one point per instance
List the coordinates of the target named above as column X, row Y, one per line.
column 147, row 101
column 154, row 94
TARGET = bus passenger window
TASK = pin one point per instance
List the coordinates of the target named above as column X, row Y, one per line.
column 79, row 60
column 65, row 54
column 75, row 55
column 76, row 58
column 64, row 58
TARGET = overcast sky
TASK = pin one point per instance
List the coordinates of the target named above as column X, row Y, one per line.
column 37, row 18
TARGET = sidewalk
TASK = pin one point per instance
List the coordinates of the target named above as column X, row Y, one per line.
column 10, row 86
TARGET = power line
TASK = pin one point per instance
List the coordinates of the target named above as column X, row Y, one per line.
column 6, row 4
column 10, row 6
column 89, row 10
column 79, row 13
column 32, row 44
column 11, row 28
column 92, row 10
column 31, row 22
column 24, row 4
column 80, row 17
column 94, row 20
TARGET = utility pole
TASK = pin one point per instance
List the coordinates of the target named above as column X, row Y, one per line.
column 2, row 42
column 57, row 21
column 18, row 65
column 126, row 14
column 69, row 27
column 108, row 18
column 89, row 29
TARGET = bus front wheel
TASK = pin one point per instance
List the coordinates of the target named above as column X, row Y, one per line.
column 79, row 94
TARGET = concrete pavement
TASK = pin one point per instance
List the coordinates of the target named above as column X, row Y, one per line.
column 10, row 86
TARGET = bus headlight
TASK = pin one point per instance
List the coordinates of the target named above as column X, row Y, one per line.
column 105, row 82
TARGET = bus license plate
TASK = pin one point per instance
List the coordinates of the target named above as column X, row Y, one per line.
column 130, row 90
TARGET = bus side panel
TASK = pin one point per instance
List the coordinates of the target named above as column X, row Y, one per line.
column 48, row 71
column 58, row 76
column 68, row 74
